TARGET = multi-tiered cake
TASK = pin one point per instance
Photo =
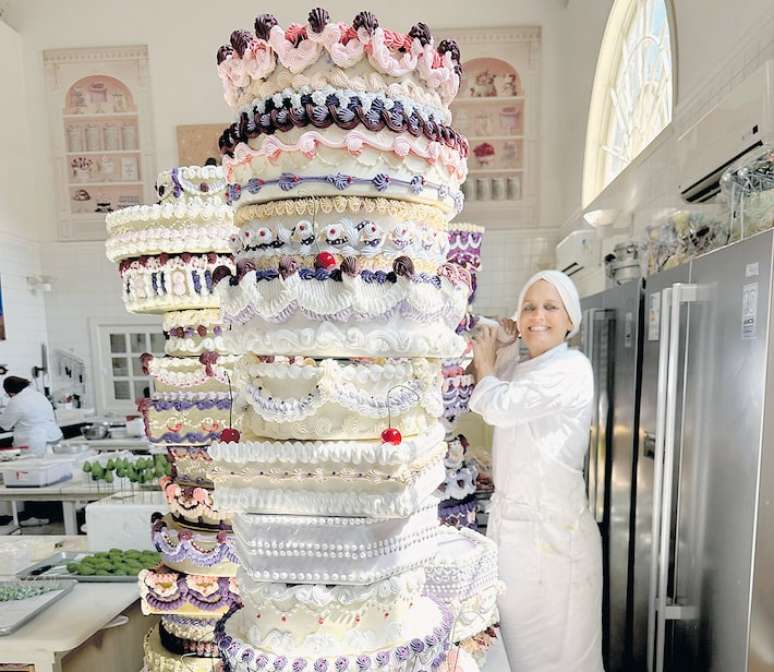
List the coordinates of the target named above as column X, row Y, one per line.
column 343, row 170
column 167, row 254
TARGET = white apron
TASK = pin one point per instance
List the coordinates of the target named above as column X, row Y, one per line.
column 550, row 554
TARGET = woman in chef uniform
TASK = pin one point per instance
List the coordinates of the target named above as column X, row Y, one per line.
column 31, row 416
column 549, row 546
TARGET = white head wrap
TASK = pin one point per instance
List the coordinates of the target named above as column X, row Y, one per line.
column 567, row 291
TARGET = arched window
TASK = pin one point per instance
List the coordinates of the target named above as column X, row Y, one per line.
column 631, row 102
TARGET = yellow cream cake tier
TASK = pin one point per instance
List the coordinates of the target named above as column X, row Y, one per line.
column 298, row 398
column 169, row 282
column 373, row 240
column 360, row 55
column 208, row 553
column 159, row 659
column 165, row 591
column 189, row 333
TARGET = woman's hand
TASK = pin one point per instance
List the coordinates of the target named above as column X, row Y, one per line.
column 484, row 352
column 511, row 328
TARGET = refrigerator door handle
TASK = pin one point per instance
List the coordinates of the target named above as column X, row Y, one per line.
column 658, row 471
column 666, row 609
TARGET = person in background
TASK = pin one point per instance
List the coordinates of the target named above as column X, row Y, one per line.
column 31, row 417
column 550, row 554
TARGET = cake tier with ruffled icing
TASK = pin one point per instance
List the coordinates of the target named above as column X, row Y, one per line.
column 297, row 398
column 209, row 372
column 333, row 496
column 334, row 550
column 373, row 238
column 422, row 649
column 459, row 483
column 253, row 457
column 188, row 646
column 349, row 163
column 159, row 659
column 169, row 282
column 308, row 619
column 456, row 450
column 190, row 628
column 189, row 333
column 189, row 418
column 194, row 552
column 189, row 183
column 193, row 506
column 163, row 591
column 465, row 245
column 457, row 390
column 360, row 55
column 189, row 464
column 459, row 513
column 344, row 311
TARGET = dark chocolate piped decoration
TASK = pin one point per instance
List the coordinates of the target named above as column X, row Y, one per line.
column 367, row 21
column 421, row 31
column 240, row 40
column 224, row 52
column 318, row 19
column 263, row 25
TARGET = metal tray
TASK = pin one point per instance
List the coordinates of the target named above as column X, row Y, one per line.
column 54, row 567
column 16, row 613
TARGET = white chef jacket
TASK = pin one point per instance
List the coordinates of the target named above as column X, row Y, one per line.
column 32, row 418
column 549, row 545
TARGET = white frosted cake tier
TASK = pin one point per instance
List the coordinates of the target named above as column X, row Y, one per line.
column 164, row 283
column 422, row 648
column 308, row 619
column 375, row 458
column 322, row 312
column 159, row 659
column 209, row 372
column 189, row 333
column 334, row 550
column 296, row 398
column 373, row 237
column 463, row 575
column 188, row 183
column 359, row 55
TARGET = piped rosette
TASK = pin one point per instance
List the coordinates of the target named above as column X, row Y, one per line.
column 338, row 309
column 303, row 398
column 192, row 403
column 192, row 551
column 328, row 478
column 193, row 506
column 189, row 333
column 165, row 591
column 370, row 233
column 361, row 55
column 168, row 282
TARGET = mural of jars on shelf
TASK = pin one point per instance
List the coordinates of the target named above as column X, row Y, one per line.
column 102, row 145
column 489, row 111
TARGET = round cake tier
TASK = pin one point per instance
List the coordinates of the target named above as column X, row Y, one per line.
column 164, row 283
column 463, row 575
column 188, row 418
column 348, row 163
column 163, row 591
column 191, row 183
column 457, row 390
column 189, row 464
column 465, row 245
column 189, row 333
column 208, row 373
column 188, row 636
column 334, row 550
column 321, row 312
column 297, row 398
column 422, row 648
column 253, row 457
column 194, row 552
column 159, row 659
column 374, row 232
column 308, row 619
column 358, row 56
column 193, row 506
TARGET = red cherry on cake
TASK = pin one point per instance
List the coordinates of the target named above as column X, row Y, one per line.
column 230, row 435
column 391, row 435
column 324, row 260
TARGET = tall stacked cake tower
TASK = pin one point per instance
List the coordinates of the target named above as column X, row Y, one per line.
column 343, row 170
column 167, row 255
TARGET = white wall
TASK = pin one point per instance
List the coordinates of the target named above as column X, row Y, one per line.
column 25, row 318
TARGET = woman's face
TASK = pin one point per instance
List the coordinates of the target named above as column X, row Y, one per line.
column 543, row 321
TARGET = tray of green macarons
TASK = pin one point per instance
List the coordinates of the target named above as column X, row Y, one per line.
column 113, row 566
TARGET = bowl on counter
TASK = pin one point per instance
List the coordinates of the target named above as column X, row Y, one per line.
column 95, row 431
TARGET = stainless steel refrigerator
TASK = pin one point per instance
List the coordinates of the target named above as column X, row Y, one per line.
column 699, row 590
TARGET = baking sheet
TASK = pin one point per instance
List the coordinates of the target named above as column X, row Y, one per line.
column 15, row 613
column 55, row 567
